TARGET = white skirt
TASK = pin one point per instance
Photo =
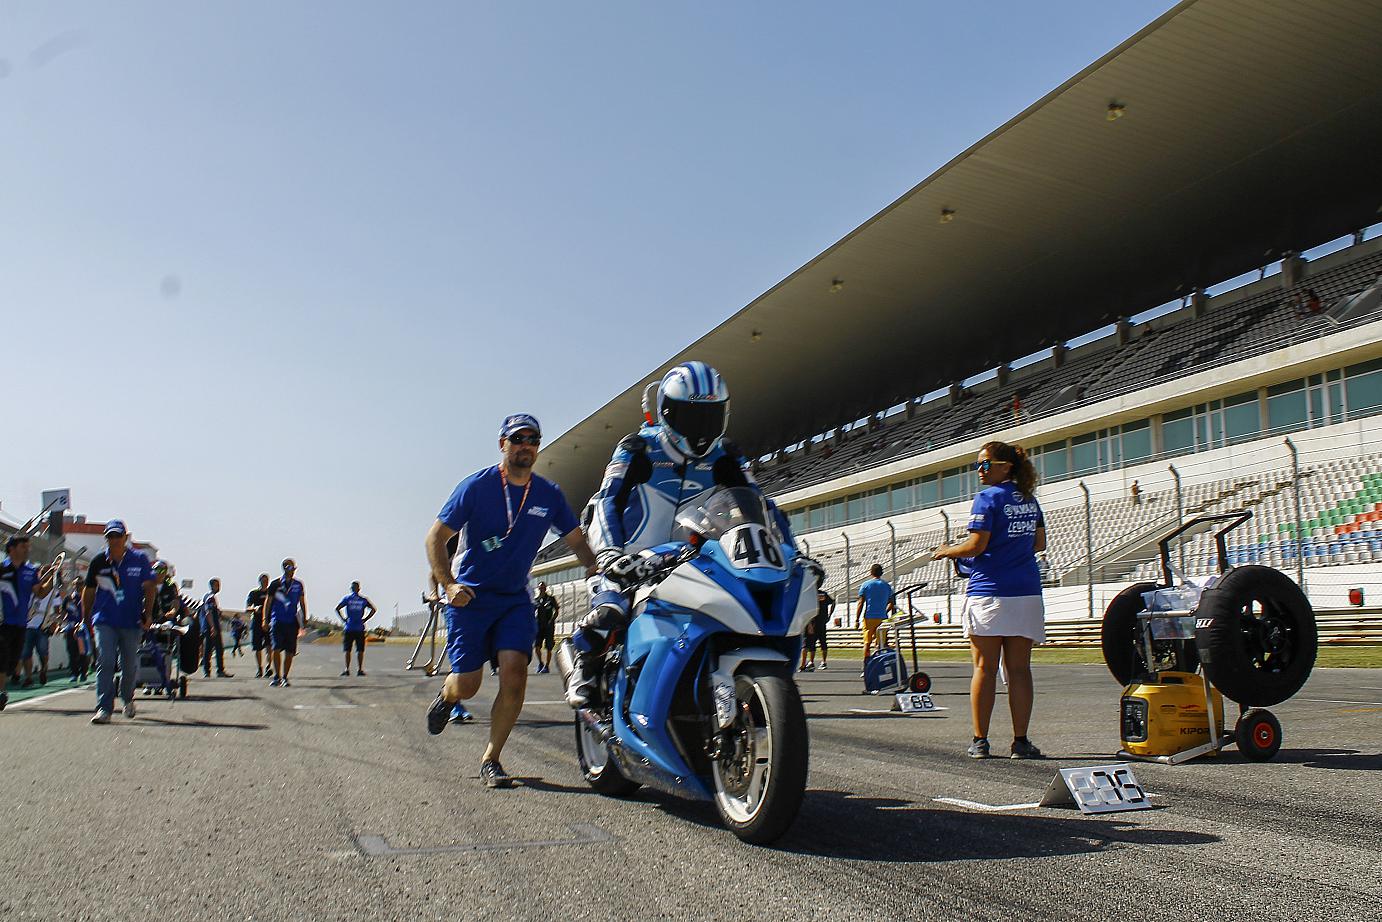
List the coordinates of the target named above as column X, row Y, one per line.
column 1005, row 616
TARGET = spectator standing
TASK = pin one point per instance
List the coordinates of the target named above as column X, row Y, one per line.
column 237, row 633
column 547, row 608
column 19, row 580
column 355, row 606
column 259, row 626
column 118, row 599
column 1135, row 492
column 211, row 633
column 876, row 604
column 504, row 513
column 283, row 600
column 1004, row 615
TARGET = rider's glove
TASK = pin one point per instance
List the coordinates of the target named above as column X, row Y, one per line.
column 606, row 558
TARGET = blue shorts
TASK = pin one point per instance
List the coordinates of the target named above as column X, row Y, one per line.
column 34, row 639
column 285, row 636
column 490, row 623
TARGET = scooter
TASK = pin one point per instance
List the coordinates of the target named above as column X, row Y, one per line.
column 698, row 699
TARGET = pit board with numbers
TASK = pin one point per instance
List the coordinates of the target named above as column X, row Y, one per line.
column 916, row 703
column 1097, row 789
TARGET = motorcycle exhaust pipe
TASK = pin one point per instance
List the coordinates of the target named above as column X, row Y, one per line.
column 601, row 729
column 565, row 663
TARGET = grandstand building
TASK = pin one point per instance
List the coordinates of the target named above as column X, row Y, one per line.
column 1164, row 272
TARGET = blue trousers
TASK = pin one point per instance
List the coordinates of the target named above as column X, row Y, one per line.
column 113, row 642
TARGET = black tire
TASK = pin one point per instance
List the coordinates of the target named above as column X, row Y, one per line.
column 919, row 683
column 1259, row 734
column 190, row 649
column 604, row 778
column 1123, row 646
column 1256, row 635
column 767, row 700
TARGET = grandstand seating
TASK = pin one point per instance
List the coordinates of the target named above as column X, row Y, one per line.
column 1162, row 348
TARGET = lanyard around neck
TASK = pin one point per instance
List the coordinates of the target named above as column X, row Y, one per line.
column 508, row 504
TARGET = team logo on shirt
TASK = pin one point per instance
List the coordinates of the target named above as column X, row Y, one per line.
column 538, row 510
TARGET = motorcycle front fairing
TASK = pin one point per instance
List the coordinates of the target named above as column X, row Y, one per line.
column 706, row 597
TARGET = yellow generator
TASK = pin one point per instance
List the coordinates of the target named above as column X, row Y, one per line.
column 1167, row 714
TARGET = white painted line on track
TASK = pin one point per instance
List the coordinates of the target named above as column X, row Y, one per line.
column 983, row 808
column 65, row 691
column 1338, row 701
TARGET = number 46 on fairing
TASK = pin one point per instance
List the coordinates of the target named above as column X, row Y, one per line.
column 751, row 546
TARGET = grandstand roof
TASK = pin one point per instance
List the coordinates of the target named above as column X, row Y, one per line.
column 1249, row 129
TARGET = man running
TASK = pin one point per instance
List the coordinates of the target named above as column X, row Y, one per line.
column 547, row 609
column 504, row 514
column 355, row 606
column 211, row 633
column 259, row 628
column 284, row 597
column 19, row 580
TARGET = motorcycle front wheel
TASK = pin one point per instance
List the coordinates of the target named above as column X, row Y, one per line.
column 760, row 777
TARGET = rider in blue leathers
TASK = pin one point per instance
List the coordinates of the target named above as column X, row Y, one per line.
column 678, row 455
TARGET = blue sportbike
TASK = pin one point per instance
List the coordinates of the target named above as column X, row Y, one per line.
column 697, row 699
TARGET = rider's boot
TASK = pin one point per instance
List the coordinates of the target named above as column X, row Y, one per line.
column 578, row 677
column 578, row 656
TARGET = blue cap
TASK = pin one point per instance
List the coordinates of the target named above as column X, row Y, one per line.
column 116, row 527
column 517, row 422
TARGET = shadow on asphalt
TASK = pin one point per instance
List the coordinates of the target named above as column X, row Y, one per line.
column 836, row 824
column 1329, row 758
column 198, row 724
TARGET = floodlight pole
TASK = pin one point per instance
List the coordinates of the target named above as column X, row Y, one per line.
column 892, row 548
column 1180, row 513
column 849, row 562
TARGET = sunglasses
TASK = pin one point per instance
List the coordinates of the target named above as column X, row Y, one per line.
column 533, row 440
column 983, row 466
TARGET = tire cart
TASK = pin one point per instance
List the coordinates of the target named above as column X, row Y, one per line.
column 163, row 661
column 1179, row 648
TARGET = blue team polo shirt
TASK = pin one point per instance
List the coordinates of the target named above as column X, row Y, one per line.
column 476, row 509
column 876, row 594
column 1008, row 565
column 17, row 590
column 355, row 611
column 119, row 589
column 287, row 599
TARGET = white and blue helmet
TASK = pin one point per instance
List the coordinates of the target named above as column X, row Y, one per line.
column 693, row 408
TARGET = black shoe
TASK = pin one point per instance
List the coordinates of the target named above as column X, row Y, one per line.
column 207, row 674
column 494, row 776
column 437, row 715
column 979, row 749
column 345, row 672
column 358, row 671
column 225, row 675
column 4, row 700
column 1023, row 749
column 268, row 673
column 259, row 673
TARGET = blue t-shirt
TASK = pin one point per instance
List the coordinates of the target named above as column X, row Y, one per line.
column 210, row 614
column 876, row 594
column 354, row 611
column 495, row 559
column 1008, row 565
column 287, row 599
column 119, row 589
column 17, row 590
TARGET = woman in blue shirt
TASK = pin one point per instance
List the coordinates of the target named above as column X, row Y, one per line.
column 1003, row 615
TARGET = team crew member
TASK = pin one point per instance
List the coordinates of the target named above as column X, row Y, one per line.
column 259, row 631
column 284, row 597
column 815, row 630
column 876, row 603
column 211, row 633
column 119, row 600
column 19, row 579
column 237, row 634
column 42, row 619
column 547, row 609
column 1004, row 614
column 355, row 606
column 503, row 514
column 78, row 640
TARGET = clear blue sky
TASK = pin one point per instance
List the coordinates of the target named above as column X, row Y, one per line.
column 271, row 272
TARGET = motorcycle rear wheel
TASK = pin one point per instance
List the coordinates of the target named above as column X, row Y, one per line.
column 760, row 784
column 596, row 764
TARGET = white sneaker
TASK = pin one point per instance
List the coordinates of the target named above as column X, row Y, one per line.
column 101, row 717
column 821, row 667
column 129, row 709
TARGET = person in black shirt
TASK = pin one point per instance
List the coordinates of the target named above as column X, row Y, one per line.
column 816, row 630
column 547, row 607
column 259, row 631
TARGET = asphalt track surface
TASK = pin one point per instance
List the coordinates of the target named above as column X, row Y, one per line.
column 329, row 800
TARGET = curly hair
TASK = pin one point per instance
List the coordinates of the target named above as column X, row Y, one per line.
column 1024, row 473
